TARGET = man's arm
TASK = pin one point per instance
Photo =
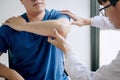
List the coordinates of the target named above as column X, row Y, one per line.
column 8, row 73
column 45, row 27
column 42, row 28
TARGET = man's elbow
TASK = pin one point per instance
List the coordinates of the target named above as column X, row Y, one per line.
column 65, row 29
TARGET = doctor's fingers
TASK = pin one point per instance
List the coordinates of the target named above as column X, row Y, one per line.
column 51, row 40
column 72, row 15
column 55, row 36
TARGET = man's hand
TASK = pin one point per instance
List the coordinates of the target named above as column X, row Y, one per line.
column 15, row 22
column 76, row 19
column 10, row 74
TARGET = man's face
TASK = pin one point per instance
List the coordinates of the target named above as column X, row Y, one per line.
column 34, row 5
column 113, row 12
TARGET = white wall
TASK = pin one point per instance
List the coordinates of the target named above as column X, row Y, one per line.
column 9, row 8
column 109, row 45
column 79, row 38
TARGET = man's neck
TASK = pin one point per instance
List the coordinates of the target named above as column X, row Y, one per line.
column 33, row 17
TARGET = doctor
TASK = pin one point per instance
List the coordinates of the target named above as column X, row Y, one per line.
column 73, row 66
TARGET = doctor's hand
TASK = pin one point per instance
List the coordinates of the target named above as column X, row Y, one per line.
column 16, row 23
column 59, row 42
column 76, row 19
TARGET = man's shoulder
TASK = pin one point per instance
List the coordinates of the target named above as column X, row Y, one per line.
column 55, row 14
column 5, row 28
column 52, row 11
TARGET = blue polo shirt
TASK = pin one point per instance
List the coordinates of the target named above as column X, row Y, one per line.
column 30, row 54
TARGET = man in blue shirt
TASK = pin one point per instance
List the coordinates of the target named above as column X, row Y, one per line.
column 30, row 54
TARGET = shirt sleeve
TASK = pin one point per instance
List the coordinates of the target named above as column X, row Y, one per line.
column 4, row 38
column 58, row 15
column 101, row 22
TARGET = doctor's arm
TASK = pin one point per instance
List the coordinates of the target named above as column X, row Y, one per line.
column 73, row 66
column 101, row 22
column 77, row 71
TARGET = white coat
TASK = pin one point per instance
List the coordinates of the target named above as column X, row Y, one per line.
column 78, row 71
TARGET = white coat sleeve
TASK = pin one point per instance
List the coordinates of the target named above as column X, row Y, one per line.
column 110, row 71
column 77, row 71
column 101, row 22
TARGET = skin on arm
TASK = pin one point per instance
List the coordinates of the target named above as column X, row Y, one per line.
column 76, row 19
column 42, row 28
column 59, row 42
column 8, row 73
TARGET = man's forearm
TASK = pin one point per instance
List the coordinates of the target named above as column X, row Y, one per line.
column 9, row 73
column 45, row 27
column 3, row 71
